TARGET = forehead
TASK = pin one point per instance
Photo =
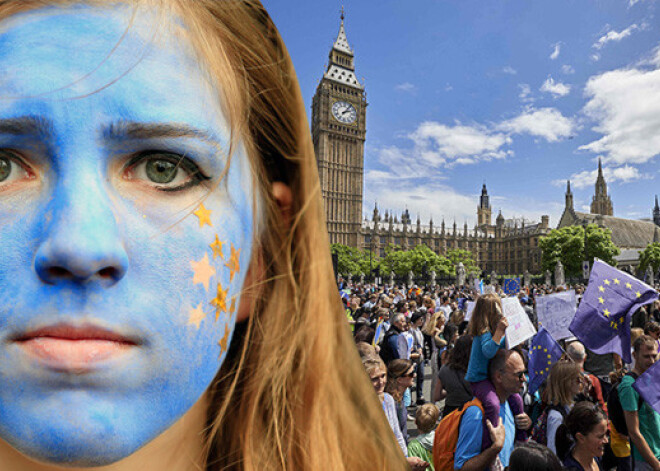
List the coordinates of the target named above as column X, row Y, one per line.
column 131, row 62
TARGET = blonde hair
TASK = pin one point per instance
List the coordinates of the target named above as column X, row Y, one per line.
column 292, row 378
column 486, row 314
column 562, row 376
column 426, row 417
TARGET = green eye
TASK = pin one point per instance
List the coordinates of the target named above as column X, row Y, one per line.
column 161, row 171
column 5, row 168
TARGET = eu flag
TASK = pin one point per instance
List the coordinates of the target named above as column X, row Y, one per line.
column 511, row 286
column 602, row 320
column 543, row 353
column 647, row 386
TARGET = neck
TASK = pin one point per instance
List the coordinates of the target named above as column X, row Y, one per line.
column 583, row 457
column 179, row 448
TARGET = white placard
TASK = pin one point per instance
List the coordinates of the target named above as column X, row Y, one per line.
column 520, row 327
column 555, row 313
column 470, row 308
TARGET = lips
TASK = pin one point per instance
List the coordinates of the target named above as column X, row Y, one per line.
column 75, row 349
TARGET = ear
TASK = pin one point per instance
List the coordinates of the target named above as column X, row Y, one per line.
column 579, row 438
column 283, row 196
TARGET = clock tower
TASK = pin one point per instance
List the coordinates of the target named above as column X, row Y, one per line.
column 338, row 132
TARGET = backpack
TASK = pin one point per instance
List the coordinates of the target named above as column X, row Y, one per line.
column 446, row 436
column 614, row 409
column 540, row 430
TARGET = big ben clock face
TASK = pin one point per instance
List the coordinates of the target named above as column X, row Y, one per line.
column 344, row 112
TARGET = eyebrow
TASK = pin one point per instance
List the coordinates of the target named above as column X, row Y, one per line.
column 38, row 125
column 26, row 125
column 136, row 130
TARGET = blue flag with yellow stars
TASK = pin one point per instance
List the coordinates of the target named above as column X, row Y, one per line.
column 602, row 320
column 647, row 386
column 543, row 353
column 511, row 286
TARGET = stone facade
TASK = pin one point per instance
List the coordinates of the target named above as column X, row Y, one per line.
column 508, row 247
column 338, row 131
column 630, row 235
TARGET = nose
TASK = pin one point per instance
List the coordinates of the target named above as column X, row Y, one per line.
column 81, row 242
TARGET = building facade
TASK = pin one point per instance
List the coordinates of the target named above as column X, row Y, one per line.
column 339, row 128
column 630, row 235
column 508, row 247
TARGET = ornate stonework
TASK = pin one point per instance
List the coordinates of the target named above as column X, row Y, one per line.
column 338, row 132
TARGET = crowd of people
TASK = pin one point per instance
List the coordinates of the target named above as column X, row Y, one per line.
column 481, row 414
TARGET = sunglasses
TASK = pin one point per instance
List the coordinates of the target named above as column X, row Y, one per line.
column 409, row 375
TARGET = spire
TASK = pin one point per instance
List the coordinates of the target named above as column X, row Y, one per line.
column 341, row 43
column 657, row 208
column 656, row 212
column 601, row 203
column 569, row 195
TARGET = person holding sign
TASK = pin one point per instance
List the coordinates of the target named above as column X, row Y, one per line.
column 487, row 326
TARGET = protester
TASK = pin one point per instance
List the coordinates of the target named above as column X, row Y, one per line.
column 564, row 383
column 507, row 373
column 169, row 301
column 581, row 441
column 592, row 389
column 532, row 456
column 422, row 446
column 642, row 420
column 451, row 384
column 417, row 355
column 395, row 346
column 400, row 376
column 487, row 327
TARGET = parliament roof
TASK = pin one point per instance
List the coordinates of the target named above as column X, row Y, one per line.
column 626, row 233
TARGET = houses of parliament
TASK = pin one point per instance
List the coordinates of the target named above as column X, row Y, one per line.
column 509, row 246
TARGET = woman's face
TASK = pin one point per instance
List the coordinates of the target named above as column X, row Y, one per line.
column 119, row 285
column 378, row 380
column 406, row 380
column 577, row 385
column 594, row 442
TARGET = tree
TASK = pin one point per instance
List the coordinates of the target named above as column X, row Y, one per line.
column 650, row 256
column 415, row 260
column 353, row 260
column 567, row 245
column 458, row 255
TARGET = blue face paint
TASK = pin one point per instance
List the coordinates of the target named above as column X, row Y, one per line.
column 122, row 251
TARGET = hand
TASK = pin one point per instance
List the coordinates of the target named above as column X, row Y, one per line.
column 417, row 464
column 502, row 324
column 496, row 434
column 523, row 422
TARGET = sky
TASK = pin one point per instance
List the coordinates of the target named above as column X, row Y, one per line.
column 516, row 94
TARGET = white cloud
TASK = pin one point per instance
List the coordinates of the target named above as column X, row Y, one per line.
column 547, row 123
column 567, row 69
column 509, row 70
column 587, row 178
column 558, row 89
column 405, row 87
column 625, row 104
column 615, row 36
column 594, row 57
column 429, row 199
column 555, row 51
column 448, row 87
column 426, row 199
column 525, row 93
column 438, row 144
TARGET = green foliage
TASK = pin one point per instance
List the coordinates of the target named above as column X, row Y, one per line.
column 650, row 256
column 458, row 255
column 401, row 262
column 353, row 260
column 567, row 244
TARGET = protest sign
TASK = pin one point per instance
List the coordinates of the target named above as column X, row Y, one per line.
column 555, row 313
column 470, row 308
column 520, row 327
